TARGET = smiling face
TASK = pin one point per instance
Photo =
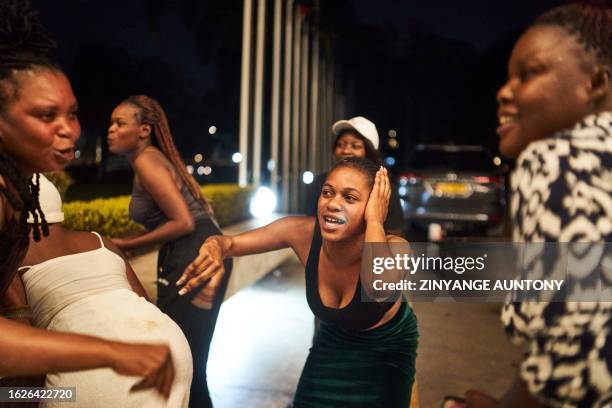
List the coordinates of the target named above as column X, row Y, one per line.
column 125, row 130
column 40, row 127
column 548, row 88
column 342, row 204
column 349, row 144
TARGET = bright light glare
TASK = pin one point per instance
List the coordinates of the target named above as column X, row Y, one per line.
column 497, row 161
column 237, row 157
column 201, row 170
column 212, row 130
column 390, row 161
column 263, row 202
column 307, row 177
column 271, row 165
column 207, row 170
column 198, row 158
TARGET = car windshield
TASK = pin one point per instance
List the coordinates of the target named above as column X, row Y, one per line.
column 450, row 160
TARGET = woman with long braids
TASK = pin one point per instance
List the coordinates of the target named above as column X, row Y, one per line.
column 168, row 201
column 38, row 129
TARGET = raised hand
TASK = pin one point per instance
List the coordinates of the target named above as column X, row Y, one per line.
column 378, row 202
column 208, row 264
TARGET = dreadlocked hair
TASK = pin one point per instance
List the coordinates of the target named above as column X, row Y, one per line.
column 24, row 45
column 151, row 113
column 590, row 21
column 27, row 199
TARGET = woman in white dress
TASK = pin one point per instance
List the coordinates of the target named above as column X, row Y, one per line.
column 79, row 282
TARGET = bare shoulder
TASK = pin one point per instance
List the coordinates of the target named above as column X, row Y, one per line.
column 299, row 232
column 150, row 158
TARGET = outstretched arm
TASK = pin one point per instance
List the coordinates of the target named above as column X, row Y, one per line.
column 294, row 232
column 26, row 351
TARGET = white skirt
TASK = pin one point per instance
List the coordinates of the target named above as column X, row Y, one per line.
column 121, row 315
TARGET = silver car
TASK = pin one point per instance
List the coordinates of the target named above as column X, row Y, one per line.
column 458, row 187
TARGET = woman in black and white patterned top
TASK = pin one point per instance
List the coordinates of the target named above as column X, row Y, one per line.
column 555, row 115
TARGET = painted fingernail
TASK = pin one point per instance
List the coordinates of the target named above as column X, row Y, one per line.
column 179, row 282
column 182, row 291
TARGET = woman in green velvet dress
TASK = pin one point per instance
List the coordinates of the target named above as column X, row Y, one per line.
column 364, row 353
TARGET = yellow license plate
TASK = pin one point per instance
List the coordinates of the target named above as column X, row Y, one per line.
column 452, row 189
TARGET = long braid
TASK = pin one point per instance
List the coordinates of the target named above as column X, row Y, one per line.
column 24, row 45
column 26, row 202
column 151, row 112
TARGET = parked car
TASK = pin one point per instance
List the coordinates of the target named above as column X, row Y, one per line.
column 461, row 188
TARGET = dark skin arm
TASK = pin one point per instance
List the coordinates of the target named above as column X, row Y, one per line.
column 156, row 178
column 15, row 298
column 294, row 232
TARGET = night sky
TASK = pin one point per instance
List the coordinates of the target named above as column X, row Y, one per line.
column 429, row 70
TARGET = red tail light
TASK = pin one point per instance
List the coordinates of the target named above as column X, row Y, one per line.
column 488, row 179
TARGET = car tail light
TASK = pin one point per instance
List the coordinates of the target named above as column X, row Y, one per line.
column 488, row 179
column 411, row 178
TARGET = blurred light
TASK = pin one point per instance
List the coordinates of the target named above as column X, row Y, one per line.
column 402, row 191
column 392, row 133
column 212, row 130
column 497, row 161
column 189, row 169
column 198, row 158
column 307, row 177
column 393, row 144
column 237, row 157
column 390, row 161
column 77, row 154
column 263, row 202
column 403, row 181
column 207, row 170
column 201, row 170
column 271, row 165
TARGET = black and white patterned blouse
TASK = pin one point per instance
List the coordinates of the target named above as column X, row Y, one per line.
column 562, row 192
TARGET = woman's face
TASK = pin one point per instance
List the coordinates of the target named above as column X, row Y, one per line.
column 349, row 145
column 547, row 89
column 342, row 204
column 39, row 129
column 125, row 130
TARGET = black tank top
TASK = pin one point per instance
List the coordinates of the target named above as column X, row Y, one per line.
column 361, row 312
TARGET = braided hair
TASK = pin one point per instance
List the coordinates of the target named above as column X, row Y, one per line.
column 590, row 21
column 24, row 45
column 151, row 113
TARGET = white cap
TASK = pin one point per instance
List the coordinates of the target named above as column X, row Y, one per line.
column 50, row 201
column 359, row 124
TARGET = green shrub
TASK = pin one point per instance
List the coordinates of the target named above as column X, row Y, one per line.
column 109, row 216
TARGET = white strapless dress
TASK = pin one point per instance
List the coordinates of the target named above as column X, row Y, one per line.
column 88, row 293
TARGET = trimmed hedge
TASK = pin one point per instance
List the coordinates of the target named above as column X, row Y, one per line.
column 109, row 216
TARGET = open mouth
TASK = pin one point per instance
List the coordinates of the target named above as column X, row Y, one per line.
column 506, row 118
column 507, row 121
column 333, row 220
column 66, row 154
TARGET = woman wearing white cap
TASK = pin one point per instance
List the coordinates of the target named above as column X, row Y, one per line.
column 78, row 282
column 356, row 137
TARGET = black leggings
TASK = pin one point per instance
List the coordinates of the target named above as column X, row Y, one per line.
column 197, row 324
